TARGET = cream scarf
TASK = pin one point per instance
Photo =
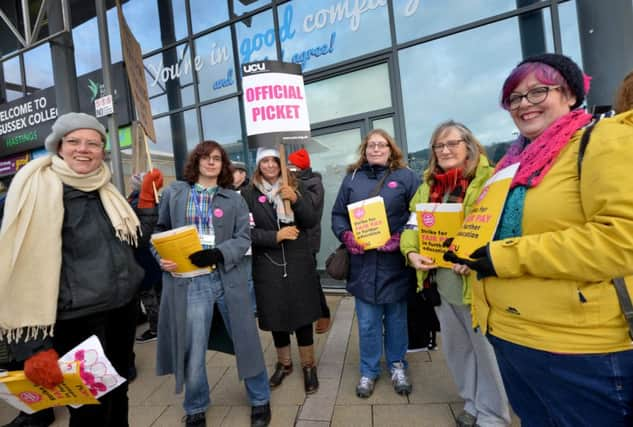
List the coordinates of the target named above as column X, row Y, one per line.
column 31, row 244
column 271, row 191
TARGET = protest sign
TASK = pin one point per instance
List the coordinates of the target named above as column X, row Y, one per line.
column 275, row 107
column 436, row 223
column 480, row 224
column 369, row 222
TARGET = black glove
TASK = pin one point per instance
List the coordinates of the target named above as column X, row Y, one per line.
column 206, row 257
column 480, row 261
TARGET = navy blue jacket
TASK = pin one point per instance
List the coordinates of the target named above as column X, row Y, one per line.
column 377, row 277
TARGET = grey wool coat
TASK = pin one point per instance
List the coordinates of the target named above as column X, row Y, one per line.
column 232, row 238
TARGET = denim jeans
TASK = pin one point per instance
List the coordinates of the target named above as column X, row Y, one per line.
column 202, row 293
column 560, row 390
column 371, row 320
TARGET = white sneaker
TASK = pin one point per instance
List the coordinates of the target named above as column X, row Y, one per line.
column 399, row 379
column 365, row 387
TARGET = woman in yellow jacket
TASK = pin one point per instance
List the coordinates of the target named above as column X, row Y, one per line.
column 547, row 301
column 458, row 169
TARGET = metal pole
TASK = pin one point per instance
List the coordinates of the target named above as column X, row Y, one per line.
column 113, row 129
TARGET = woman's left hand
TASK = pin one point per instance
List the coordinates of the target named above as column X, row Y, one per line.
column 462, row 269
column 287, row 193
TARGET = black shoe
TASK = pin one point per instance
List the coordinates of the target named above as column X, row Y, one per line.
column 147, row 336
column 43, row 418
column 280, row 373
column 310, row 380
column 196, row 420
column 260, row 415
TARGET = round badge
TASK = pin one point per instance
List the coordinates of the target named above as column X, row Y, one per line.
column 262, row 199
column 359, row 212
column 218, row 213
column 428, row 219
column 392, row 184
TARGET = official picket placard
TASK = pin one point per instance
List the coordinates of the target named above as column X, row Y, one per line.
column 480, row 224
column 275, row 107
column 436, row 223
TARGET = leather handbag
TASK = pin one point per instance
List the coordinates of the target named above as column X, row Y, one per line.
column 337, row 264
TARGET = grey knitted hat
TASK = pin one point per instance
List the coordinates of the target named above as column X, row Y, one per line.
column 239, row 165
column 69, row 122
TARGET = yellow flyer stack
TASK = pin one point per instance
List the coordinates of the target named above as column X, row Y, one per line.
column 176, row 245
column 436, row 223
column 369, row 222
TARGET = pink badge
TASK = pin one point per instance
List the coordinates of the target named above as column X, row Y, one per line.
column 359, row 213
column 262, row 199
column 428, row 219
column 392, row 184
column 218, row 213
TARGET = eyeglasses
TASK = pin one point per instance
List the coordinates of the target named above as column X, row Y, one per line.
column 451, row 145
column 534, row 96
column 379, row 145
column 208, row 158
column 91, row 144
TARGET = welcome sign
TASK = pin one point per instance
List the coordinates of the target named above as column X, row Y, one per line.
column 275, row 106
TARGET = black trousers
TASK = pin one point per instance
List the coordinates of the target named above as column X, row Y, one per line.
column 304, row 337
column 115, row 329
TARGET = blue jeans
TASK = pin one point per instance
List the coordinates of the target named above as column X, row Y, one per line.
column 371, row 319
column 202, row 293
column 559, row 390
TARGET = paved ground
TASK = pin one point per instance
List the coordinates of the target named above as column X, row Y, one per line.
column 433, row 403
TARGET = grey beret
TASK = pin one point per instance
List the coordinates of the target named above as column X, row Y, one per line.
column 69, row 122
column 238, row 165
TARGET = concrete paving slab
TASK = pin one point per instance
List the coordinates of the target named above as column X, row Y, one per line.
column 352, row 416
column 428, row 415
column 432, row 383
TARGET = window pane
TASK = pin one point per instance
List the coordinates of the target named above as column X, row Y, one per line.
column 142, row 18
column 386, row 124
column 38, row 68
column 169, row 78
column 256, row 38
column 214, row 56
column 11, row 69
column 460, row 78
column 347, row 94
column 416, row 18
column 204, row 16
column 242, row 6
column 569, row 31
column 221, row 123
column 314, row 33
column 86, row 43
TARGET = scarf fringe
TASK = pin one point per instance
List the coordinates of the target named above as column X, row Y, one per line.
column 27, row 333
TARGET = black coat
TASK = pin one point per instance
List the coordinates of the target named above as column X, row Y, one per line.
column 287, row 296
column 313, row 184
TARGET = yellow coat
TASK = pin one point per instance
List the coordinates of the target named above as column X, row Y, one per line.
column 553, row 290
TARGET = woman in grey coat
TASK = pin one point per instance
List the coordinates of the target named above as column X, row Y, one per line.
column 220, row 215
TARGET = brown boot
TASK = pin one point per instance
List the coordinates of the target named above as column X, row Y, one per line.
column 322, row 325
column 283, row 367
column 310, row 380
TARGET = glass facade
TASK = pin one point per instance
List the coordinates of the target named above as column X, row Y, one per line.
column 401, row 65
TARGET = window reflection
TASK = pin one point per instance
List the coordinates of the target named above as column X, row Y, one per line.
column 13, row 81
column 204, row 15
column 569, row 30
column 38, row 68
column 347, row 94
column 256, row 38
column 460, row 78
column 387, row 125
column 314, row 33
column 216, row 74
column 221, row 123
column 242, row 6
column 417, row 18
column 169, row 77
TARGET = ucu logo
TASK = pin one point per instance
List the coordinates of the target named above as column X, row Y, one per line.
column 254, row 68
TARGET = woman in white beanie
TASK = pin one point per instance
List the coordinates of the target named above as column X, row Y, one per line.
column 283, row 267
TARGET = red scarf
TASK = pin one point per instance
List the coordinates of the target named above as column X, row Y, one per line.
column 451, row 182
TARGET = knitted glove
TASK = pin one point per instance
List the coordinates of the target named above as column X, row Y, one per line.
column 353, row 247
column 392, row 245
column 43, row 369
column 480, row 261
column 206, row 257
column 146, row 198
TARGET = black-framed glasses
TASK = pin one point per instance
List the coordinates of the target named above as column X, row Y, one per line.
column 451, row 145
column 534, row 96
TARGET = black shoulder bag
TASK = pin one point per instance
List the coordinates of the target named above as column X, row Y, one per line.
column 618, row 282
column 337, row 263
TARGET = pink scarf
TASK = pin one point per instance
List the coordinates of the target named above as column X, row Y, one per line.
column 538, row 156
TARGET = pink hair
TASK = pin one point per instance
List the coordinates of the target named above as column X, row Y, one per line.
column 543, row 73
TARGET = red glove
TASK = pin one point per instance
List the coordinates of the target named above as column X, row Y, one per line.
column 43, row 369
column 146, row 198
